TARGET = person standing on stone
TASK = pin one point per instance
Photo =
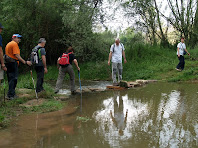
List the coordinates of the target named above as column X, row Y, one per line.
column 12, row 59
column 41, row 67
column 64, row 63
column 117, row 50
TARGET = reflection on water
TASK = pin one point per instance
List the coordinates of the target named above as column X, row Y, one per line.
column 158, row 115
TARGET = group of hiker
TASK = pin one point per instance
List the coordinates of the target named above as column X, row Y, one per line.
column 12, row 58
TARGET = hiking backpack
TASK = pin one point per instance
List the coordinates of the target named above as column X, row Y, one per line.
column 34, row 56
column 64, row 60
column 120, row 44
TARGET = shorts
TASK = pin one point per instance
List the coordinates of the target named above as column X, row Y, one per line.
column 1, row 73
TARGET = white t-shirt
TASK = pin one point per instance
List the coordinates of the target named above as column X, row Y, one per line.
column 117, row 53
column 181, row 47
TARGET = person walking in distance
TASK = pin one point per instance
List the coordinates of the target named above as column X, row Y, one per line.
column 41, row 66
column 117, row 50
column 181, row 50
column 12, row 59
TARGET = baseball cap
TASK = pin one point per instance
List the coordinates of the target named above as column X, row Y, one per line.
column 1, row 26
column 16, row 35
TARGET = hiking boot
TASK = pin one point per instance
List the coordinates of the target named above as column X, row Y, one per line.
column 10, row 98
column 56, row 91
column 178, row 69
column 75, row 93
column 115, row 84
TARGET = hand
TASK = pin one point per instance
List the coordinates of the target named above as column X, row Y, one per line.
column 45, row 70
column 29, row 63
column 109, row 63
column 4, row 67
column 178, row 55
column 189, row 54
column 78, row 68
column 125, row 61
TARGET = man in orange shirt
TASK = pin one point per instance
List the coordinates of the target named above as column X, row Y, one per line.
column 13, row 52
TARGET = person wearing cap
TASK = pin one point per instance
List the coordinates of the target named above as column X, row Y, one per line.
column 13, row 52
column 41, row 67
column 117, row 50
column 2, row 65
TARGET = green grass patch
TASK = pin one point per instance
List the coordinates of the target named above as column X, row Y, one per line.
column 48, row 106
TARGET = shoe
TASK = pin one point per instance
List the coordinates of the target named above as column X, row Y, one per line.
column 115, row 84
column 75, row 93
column 56, row 91
column 178, row 69
column 10, row 98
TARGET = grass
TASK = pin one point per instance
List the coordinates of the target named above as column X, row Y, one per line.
column 13, row 108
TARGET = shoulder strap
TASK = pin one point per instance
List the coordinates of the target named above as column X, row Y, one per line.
column 122, row 46
column 113, row 47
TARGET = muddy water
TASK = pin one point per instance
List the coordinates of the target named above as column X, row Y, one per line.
column 157, row 115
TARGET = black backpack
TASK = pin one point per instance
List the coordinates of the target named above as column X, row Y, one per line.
column 34, row 56
column 120, row 44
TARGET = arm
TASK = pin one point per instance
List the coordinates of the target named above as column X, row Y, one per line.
column 1, row 60
column 44, row 63
column 22, row 60
column 76, row 64
column 123, row 54
column 178, row 51
column 110, row 56
column 187, row 52
column 58, row 62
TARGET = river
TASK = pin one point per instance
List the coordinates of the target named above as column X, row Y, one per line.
column 156, row 115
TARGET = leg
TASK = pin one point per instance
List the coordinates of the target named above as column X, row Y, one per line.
column 40, row 78
column 119, row 72
column 114, row 72
column 71, row 73
column 12, row 74
column 1, row 74
column 60, row 79
column 182, row 63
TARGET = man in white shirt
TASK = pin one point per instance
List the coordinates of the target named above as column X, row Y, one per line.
column 115, row 55
column 181, row 47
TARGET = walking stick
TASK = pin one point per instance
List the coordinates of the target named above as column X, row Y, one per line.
column 34, row 84
column 80, row 92
column 4, row 86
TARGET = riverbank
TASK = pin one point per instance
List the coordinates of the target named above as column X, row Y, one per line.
column 27, row 103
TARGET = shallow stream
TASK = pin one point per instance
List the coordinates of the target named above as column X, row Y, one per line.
column 156, row 115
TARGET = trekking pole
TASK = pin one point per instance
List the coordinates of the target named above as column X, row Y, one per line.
column 80, row 92
column 4, row 86
column 34, row 84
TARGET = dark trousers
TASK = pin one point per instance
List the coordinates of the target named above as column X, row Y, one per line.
column 181, row 63
column 40, row 78
column 12, row 74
